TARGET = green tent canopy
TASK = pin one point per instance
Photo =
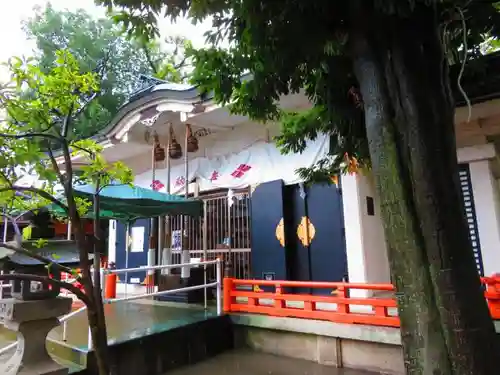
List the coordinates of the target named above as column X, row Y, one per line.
column 129, row 203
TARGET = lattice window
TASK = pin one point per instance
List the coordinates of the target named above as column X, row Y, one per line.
column 222, row 226
column 470, row 214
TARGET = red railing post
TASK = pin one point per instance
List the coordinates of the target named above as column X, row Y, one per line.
column 492, row 294
column 342, row 307
column 278, row 302
column 227, row 298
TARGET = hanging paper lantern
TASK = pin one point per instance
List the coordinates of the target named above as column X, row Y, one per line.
column 159, row 151
column 174, row 148
column 192, row 141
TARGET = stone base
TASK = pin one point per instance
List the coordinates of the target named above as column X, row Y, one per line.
column 49, row 369
column 360, row 347
column 33, row 320
column 24, row 311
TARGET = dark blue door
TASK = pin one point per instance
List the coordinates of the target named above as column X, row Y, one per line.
column 327, row 248
column 269, row 256
column 296, row 210
column 136, row 257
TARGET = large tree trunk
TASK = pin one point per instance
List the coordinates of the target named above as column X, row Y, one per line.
column 99, row 338
column 409, row 116
column 97, row 316
column 95, row 311
column 424, row 347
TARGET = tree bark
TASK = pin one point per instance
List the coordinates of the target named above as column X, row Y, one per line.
column 95, row 310
column 409, row 115
column 424, row 347
column 99, row 340
column 97, row 318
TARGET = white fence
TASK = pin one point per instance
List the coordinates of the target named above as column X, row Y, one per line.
column 240, row 260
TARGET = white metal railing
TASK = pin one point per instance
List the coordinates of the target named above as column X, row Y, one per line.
column 217, row 284
column 240, row 259
column 5, row 349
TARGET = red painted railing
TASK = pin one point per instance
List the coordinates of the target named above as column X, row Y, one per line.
column 237, row 300
column 338, row 307
column 492, row 294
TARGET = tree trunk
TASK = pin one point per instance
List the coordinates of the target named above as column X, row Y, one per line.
column 95, row 311
column 424, row 347
column 100, row 336
column 409, row 117
column 99, row 339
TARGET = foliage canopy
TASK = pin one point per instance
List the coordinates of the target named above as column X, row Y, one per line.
column 40, row 107
column 98, row 45
column 292, row 45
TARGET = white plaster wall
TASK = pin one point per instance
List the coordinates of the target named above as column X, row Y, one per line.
column 496, row 194
column 373, row 232
column 367, row 260
column 484, row 188
column 221, row 142
column 356, row 254
column 112, row 242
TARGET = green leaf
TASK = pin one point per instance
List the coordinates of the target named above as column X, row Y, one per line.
column 26, row 234
column 41, row 242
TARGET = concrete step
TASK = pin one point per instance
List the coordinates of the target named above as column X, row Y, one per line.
column 68, row 354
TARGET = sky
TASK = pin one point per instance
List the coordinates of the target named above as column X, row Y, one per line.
column 14, row 42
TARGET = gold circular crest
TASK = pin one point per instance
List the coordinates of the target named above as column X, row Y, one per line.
column 280, row 232
column 306, row 231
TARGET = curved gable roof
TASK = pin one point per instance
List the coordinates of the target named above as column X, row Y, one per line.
column 158, row 91
column 481, row 82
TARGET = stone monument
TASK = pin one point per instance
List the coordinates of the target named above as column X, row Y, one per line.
column 32, row 313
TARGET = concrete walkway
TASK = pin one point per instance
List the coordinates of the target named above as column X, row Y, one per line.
column 243, row 362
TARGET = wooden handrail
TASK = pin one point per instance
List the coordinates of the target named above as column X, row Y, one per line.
column 278, row 300
column 315, row 284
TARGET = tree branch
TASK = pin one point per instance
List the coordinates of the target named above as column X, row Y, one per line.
column 37, row 191
column 89, row 152
column 75, row 218
column 149, row 58
column 181, row 63
column 30, row 135
column 5, row 177
column 69, row 166
column 33, row 255
column 84, row 107
column 47, row 280
column 55, row 166
column 66, row 122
